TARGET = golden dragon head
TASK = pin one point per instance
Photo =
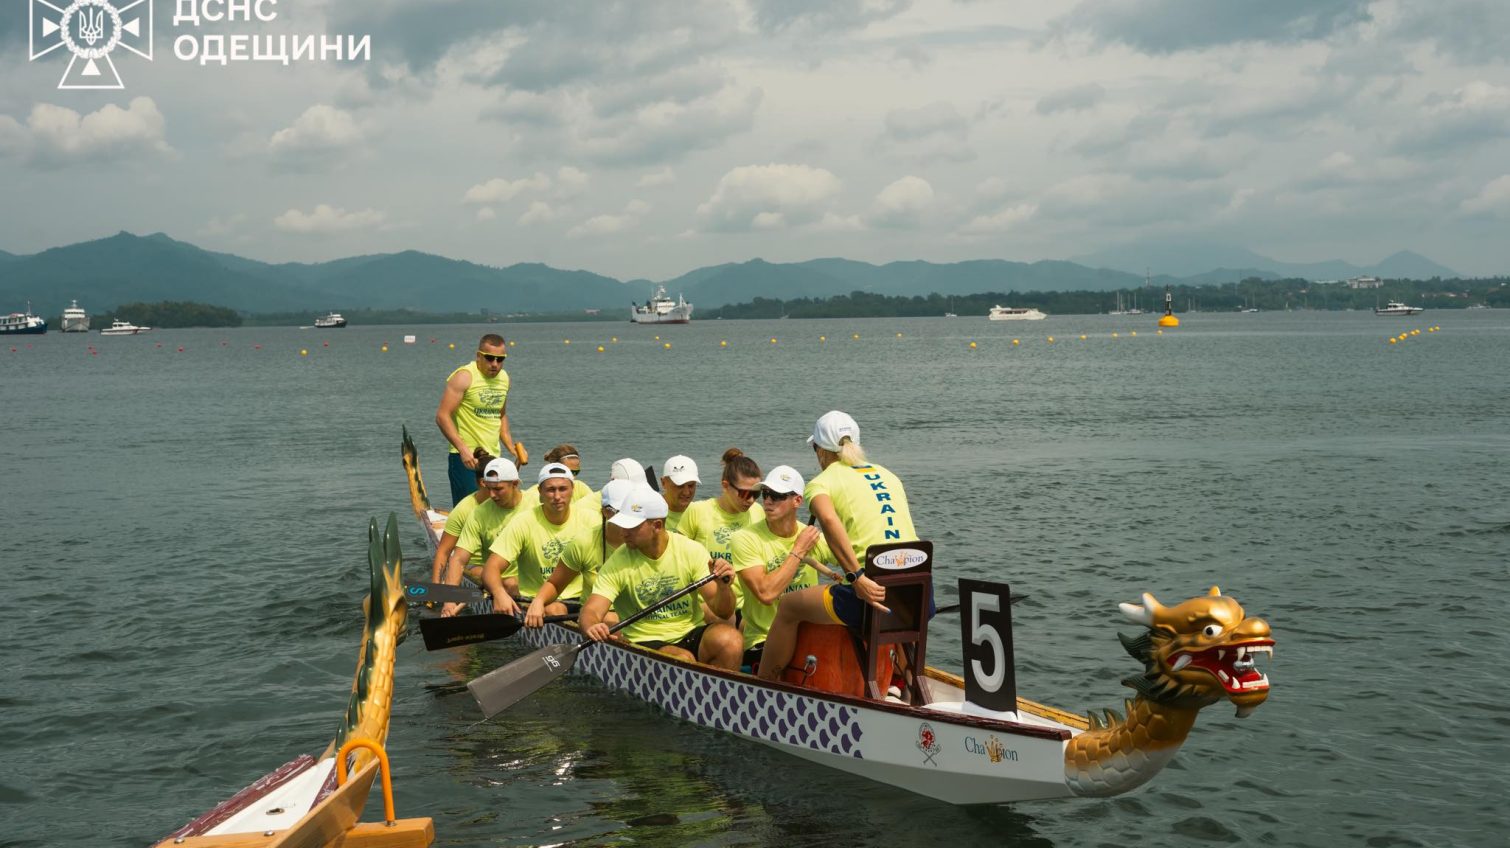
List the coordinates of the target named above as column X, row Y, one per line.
column 1198, row 652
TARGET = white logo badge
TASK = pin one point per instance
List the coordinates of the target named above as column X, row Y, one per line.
column 90, row 30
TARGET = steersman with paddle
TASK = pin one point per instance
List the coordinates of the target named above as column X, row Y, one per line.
column 652, row 565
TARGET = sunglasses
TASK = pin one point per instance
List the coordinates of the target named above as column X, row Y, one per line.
column 493, row 357
column 745, row 493
column 775, row 497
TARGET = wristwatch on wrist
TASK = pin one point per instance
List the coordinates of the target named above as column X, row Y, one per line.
column 851, row 576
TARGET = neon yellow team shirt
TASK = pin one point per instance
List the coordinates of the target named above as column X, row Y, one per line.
column 457, row 519
column 477, row 418
column 674, row 520
column 532, row 545
column 632, row 581
column 704, row 521
column 757, row 546
column 484, row 525
column 870, row 503
column 585, row 555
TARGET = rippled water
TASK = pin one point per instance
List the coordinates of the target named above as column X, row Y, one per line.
column 186, row 532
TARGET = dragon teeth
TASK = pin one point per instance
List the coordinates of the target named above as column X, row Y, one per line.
column 1180, row 662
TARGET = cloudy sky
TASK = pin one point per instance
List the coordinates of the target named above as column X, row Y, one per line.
column 649, row 138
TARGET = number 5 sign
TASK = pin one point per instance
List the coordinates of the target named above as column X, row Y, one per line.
column 986, row 633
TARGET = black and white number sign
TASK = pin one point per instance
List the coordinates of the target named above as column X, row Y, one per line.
column 986, row 632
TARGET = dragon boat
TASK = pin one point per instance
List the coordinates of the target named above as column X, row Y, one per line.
column 961, row 739
column 316, row 800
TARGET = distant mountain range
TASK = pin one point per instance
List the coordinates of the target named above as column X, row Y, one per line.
column 127, row 268
column 1218, row 263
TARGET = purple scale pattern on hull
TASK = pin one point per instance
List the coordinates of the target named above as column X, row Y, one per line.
column 737, row 707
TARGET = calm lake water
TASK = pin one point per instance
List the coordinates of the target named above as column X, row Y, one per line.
column 186, row 535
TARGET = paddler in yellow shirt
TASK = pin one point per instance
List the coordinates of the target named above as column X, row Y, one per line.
column 857, row 504
column 500, row 480
column 473, row 413
column 768, row 557
column 679, row 487
column 583, row 556
column 457, row 519
column 713, row 521
column 530, row 546
column 651, row 565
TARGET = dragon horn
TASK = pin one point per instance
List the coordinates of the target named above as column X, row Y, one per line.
column 1215, row 592
column 1137, row 614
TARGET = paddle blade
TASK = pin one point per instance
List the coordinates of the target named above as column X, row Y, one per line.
column 504, row 687
column 420, row 592
column 442, row 633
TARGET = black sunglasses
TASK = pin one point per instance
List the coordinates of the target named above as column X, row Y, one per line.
column 775, row 497
column 748, row 493
column 493, row 357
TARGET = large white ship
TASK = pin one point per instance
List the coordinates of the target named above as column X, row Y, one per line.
column 661, row 309
column 75, row 320
column 1010, row 313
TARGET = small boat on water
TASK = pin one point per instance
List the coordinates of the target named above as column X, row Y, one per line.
column 1395, row 307
column 23, row 323
column 330, row 320
column 124, row 328
column 661, row 309
column 316, row 801
column 1008, row 313
column 964, row 740
column 75, row 319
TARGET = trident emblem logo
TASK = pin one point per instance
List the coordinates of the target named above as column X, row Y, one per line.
column 91, row 30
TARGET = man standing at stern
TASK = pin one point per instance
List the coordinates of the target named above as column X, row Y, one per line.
column 473, row 413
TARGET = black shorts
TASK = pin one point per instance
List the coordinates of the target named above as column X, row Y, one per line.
column 688, row 643
column 751, row 659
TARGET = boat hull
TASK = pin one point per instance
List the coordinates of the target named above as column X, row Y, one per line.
column 675, row 316
column 1025, row 316
column 940, row 753
column 30, row 328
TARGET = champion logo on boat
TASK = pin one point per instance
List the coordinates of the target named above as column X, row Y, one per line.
column 991, row 749
column 900, row 558
column 928, row 743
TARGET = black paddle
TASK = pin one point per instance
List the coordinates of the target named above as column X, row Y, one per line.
column 453, row 632
column 420, row 592
column 503, row 687
column 955, row 607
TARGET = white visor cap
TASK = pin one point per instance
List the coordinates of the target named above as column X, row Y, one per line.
column 832, row 428
column 500, row 471
column 783, row 479
column 614, row 493
column 626, row 469
column 555, row 469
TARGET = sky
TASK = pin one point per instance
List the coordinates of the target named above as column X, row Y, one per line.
column 645, row 139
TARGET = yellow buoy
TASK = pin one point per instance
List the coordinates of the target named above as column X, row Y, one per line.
column 452, row 345
column 1393, row 340
column 384, row 348
column 856, row 336
column 773, row 341
column 1051, row 339
column 512, row 343
column 724, row 343
column 1114, row 335
column 1415, row 332
column 1169, row 321
column 972, row 345
column 615, row 339
column 600, row 348
column 1082, row 336
column 667, row 345
column 657, row 338
column 823, row 338
column 1133, row 333
column 899, row 335
column 303, row 352
column 1016, row 342
column 1158, row 332
column 566, row 341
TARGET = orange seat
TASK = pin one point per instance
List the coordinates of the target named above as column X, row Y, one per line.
column 837, row 668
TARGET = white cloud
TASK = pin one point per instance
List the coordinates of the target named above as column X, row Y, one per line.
column 940, row 118
column 1493, row 199
column 323, row 135
column 539, row 212
column 326, row 219
column 1074, row 99
column 600, row 225
column 486, row 213
column 768, row 197
column 664, row 176
column 500, row 190
column 58, row 137
column 1002, row 221
column 901, row 204
column 218, row 226
column 570, row 182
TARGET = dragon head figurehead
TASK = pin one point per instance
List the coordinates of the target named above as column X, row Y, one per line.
column 1198, row 652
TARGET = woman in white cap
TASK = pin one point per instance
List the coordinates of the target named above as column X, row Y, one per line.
column 857, row 504
column 679, row 487
column 651, row 565
column 768, row 557
column 529, row 547
column 583, row 556
column 500, row 482
column 457, row 519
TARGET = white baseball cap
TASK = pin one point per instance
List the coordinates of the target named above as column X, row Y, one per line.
column 783, row 479
column 832, row 428
column 555, row 469
column 500, row 471
column 614, row 493
column 640, row 505
column 680, row 470
column 626, row 469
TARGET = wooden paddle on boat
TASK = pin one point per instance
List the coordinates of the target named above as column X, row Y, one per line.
column 503, row 687
column 453, row 632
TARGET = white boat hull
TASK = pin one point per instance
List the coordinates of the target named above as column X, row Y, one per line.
column 1030, row 315
column 677, row 315
column 881, row 741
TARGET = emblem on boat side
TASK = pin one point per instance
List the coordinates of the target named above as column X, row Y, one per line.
column 928, row 743
column 900, row 558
